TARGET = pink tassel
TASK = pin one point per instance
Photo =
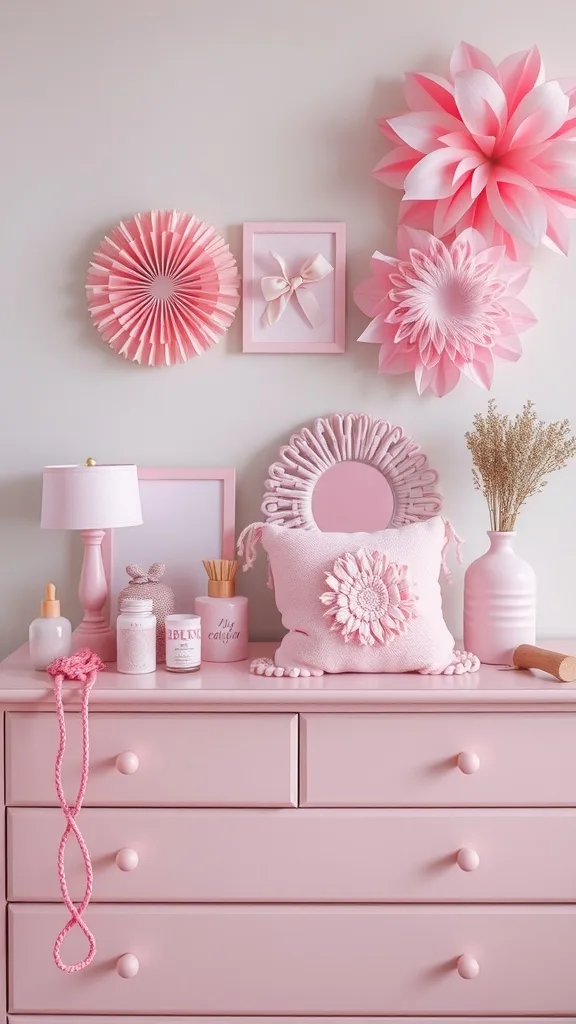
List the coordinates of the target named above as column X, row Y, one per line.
column 81, row 667
column 248, row 542
column 450, row 535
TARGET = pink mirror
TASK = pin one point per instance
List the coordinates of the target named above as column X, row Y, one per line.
column 352, row 497
column 350, row 474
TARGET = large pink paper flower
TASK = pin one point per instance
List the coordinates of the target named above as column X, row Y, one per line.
column 443, row 310
column 492, row 148
column 370, row 597
column 162, row 287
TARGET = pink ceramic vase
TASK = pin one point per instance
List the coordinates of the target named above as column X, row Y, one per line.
column 499, row 602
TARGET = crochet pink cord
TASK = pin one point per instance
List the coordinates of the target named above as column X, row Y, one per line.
column 81, row 667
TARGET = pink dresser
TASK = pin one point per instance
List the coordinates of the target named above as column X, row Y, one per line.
column 352, row 847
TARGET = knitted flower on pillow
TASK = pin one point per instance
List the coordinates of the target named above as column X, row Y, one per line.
column 370, row 598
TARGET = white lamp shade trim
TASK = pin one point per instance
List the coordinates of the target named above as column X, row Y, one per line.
column 90, row 497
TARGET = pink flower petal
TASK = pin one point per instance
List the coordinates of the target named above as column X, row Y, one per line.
column 372, row 295
column 480, row 178
column 519, row 209
column 379, row 331
column 481, row 369
column 395, row 360
column 450, row 211
column 522, row 316
column 550, row 165
column 466, row 168
column 394, row 167
column 429, row 92
column 466, row 57
column 423, row 377
column 538, row 116
column 515, row 275
column 472, row 238
column 432, row 177
column 416, row 213
column 411, row 238
column 342, row 615
column 482, row 104
column 460, row 140
column 494, row 256
column 568, row 85
column 564, row 199
column 568, row 129
column 445, row 377
column 519, row 73
column 378, row 631
column 478, row 217
column 387, row 131
column 508, row 347
column 557, row 229
column 421, row 130
column 333, row 583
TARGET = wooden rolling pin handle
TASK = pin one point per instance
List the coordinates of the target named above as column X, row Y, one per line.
column 561, row 666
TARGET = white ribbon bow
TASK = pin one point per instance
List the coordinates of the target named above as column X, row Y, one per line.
column 278, row 290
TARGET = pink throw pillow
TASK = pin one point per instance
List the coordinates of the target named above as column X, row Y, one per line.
column 361, row 602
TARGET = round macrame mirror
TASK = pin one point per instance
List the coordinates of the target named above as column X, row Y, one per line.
column 350, row 474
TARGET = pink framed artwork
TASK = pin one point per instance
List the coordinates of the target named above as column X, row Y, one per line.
column 189, row 514
column 294, row 287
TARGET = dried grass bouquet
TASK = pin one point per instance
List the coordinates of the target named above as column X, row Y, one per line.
column 512, row 457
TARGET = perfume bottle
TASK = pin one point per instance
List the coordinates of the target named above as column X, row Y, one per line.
column 224, row 616
column 51, row 635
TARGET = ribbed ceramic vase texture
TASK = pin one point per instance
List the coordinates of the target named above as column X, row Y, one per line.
column 499, row 602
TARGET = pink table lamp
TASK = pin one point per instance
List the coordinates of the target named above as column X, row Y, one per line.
column 91, row 499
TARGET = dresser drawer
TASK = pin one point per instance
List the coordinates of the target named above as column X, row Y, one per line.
column 163, row 759
column 65, row 1019
column 438, row 760
column 299, row 960
column 370, row 856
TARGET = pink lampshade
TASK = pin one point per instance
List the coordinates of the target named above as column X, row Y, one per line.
column 90, row 497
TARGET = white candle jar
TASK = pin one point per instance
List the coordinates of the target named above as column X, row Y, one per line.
column 136, row 637
column 182, row 643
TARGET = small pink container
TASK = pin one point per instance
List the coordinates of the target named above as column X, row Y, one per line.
column 224, row 627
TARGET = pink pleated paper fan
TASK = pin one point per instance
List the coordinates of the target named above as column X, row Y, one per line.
column 162, row 287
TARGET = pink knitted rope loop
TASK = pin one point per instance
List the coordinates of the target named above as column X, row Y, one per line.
column 81, row 667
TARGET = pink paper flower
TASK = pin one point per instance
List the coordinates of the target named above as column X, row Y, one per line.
column 444, row 310
column 492, row 148
column 370, row 598
column 162, row 287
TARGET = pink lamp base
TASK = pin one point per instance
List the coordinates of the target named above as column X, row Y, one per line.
column 101, row 641
column 94, row 631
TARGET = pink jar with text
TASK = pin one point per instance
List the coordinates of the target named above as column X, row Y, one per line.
column 224, row 616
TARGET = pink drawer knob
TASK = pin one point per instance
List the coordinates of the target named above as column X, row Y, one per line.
column 127, row 966
column 127, row 762
column 466, row 859
column 467, row 967
column 127, row 860
column 468, row 762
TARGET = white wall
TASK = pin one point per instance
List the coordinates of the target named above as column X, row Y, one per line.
column 235, row 110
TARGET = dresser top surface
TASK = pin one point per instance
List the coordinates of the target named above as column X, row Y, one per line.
column 232, row 687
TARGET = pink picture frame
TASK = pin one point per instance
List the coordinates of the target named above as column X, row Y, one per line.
column 189, row 515
column 296, row 243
